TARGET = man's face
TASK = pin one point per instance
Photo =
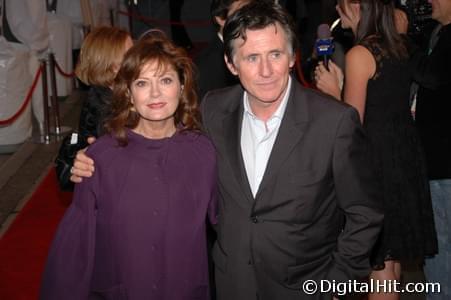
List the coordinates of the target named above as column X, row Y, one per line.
column 263, row 63
column 441, row 11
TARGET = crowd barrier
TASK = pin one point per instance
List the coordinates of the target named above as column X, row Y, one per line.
column 25, row 103
column 147, row 20
column 41, row 72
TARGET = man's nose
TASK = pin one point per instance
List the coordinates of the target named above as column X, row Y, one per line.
column 265, row 67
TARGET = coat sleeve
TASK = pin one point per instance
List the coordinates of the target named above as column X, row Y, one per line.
column 69, row 266
column 358, row 196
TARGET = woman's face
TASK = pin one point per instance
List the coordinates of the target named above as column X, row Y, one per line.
column 349, row 12
column 156, row 94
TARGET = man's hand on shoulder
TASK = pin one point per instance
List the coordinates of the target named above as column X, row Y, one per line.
column 83, row 165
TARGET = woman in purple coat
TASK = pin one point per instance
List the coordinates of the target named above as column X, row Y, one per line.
column 136, row 228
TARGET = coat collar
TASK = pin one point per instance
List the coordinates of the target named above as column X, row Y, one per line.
column 232, row 133
column 290, row 132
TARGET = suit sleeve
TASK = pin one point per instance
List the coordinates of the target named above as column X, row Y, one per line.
column 69, row 266
column 203, row 113
column 213, row 204
column 432, row 71
column 358, row 195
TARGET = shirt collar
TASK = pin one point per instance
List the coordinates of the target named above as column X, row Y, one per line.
column 280, row 110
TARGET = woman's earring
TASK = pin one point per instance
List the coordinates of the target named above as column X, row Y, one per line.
column 132, row 105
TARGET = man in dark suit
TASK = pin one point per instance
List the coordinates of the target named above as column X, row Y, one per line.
column 298, row 200
column 433, row 107
column 212, row 70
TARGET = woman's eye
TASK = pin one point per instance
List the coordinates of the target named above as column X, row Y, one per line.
column 166, row 80
column 140, row 83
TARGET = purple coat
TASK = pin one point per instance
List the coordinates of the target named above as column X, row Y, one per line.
column 136, row 228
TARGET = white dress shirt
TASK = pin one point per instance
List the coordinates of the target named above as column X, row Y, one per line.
column 257, row 139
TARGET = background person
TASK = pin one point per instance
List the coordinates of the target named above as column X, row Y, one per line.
column 378, row 73
column 100, row 58
column 433, row 121
column 212, row 70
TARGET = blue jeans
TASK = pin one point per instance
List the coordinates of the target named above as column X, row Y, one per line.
column 438, row 268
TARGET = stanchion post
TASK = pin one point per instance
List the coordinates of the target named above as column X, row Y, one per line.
column 112, row 12
column 55, row 106
column 45, row 101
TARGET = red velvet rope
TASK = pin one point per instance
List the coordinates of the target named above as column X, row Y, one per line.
column 165, row 22
column 69, row 75
column 26, row 102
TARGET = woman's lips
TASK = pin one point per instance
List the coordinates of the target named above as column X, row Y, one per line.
column 156, row 105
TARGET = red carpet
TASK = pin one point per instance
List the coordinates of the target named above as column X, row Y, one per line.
column 23, row 249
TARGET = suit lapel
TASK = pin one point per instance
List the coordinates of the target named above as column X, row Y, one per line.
column 232, row 133
column 290, row 133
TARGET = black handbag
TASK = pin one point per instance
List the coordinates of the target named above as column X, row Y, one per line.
column 65, row 159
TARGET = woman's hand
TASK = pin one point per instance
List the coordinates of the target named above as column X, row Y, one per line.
column 329, row 82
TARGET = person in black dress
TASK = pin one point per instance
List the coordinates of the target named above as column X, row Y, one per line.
column 377, row 83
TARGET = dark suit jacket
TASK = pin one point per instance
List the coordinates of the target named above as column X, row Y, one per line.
column 317, row 178
column 434, row 106
column 212, row 70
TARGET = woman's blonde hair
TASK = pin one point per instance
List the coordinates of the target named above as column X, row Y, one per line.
column 101, row 55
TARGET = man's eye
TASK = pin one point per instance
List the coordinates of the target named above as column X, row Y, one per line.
column 252, row 58
column 276, row 54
